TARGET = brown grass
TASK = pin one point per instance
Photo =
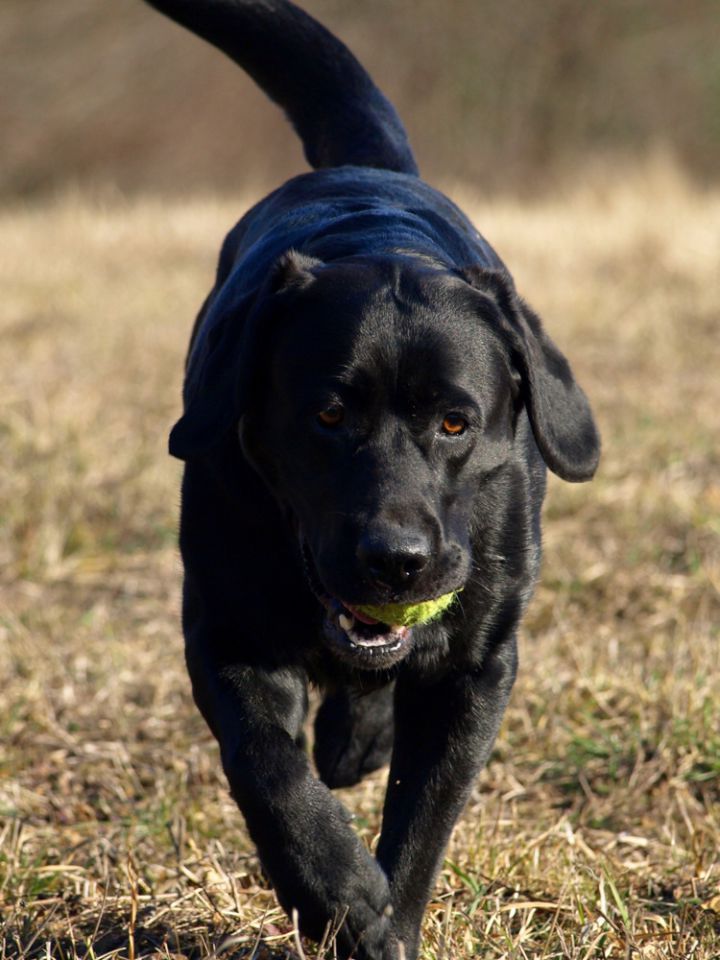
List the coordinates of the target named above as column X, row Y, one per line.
column 594, row 831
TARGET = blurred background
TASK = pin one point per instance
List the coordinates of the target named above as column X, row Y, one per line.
column 503, row 95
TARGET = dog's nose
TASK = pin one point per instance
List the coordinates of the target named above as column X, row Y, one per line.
column 393, row 561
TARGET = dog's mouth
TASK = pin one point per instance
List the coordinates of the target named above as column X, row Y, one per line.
column 367, row 642
column 354, row 636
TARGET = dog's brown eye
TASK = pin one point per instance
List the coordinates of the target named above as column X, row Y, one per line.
column 453, row 424
column 332, row 416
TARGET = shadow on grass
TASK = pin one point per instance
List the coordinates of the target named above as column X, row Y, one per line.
column 106, row 936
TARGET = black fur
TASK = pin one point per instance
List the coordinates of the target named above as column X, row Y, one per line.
column 369, row 412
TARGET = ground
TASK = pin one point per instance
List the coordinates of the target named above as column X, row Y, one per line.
column 594, row 831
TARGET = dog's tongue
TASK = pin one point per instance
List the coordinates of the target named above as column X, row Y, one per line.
column 362, row 617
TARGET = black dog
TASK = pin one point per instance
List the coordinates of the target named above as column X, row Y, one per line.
column 369, row 412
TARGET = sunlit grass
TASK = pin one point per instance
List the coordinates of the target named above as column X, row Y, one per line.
column 594, row 831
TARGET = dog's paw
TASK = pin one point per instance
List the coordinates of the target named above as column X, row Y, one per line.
column 344, row 890
column 343, row 764
column 366, row 937
column 353, row 737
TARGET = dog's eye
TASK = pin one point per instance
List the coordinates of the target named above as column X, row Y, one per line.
column 453, row 424
column 331, row 416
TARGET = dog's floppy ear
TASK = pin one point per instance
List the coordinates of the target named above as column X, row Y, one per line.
column 559, row 412
column 223, row 358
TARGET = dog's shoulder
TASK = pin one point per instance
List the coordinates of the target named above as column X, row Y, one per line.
column 353, row 211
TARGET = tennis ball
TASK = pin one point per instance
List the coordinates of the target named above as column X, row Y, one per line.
column 408, row 614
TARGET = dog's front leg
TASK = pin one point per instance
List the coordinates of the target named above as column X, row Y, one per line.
column 317, row 864
column 444, row 731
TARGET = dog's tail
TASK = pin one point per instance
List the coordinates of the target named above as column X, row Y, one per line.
column 336, row 109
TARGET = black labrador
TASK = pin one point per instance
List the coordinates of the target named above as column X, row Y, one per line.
column 369, row 411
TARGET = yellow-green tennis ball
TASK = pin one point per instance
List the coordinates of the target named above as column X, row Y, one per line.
column 409, row 614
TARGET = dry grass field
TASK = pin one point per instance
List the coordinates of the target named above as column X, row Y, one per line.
column 595, row 830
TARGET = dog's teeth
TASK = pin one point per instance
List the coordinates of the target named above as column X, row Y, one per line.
column 347, row 623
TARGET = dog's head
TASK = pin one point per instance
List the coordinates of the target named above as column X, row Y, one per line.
column 375, row 396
